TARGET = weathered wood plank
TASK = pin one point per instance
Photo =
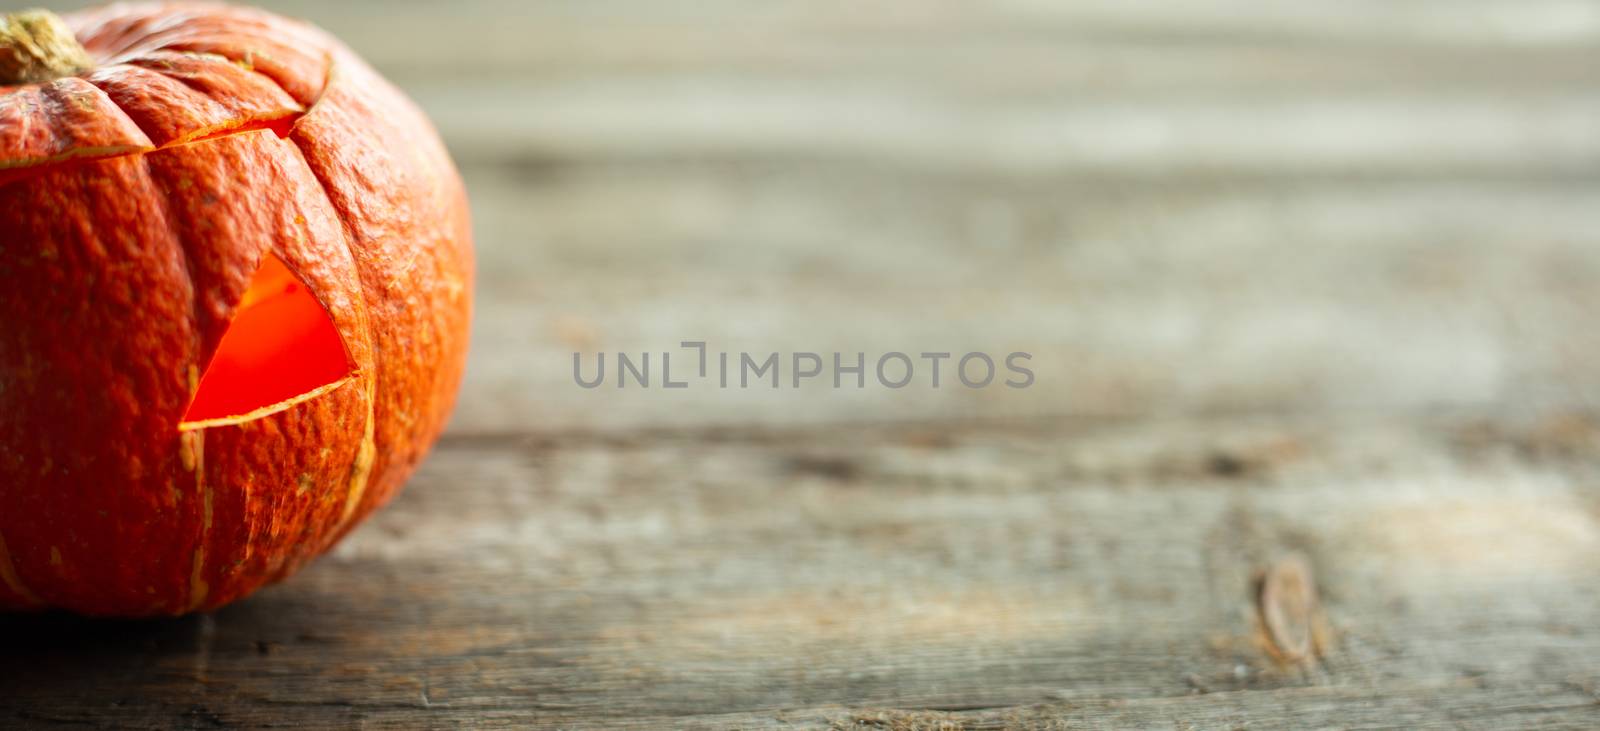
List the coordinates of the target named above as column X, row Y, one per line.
column 512, row 37
column 1019, row 87
column 1075, row 575
column 1134, row 299
column 1495, row 132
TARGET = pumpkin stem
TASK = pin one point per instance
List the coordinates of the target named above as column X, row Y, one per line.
column 36, row 46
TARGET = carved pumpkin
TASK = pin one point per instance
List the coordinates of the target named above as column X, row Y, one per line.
column 235, row 285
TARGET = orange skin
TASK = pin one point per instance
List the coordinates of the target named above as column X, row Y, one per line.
column 137, row 202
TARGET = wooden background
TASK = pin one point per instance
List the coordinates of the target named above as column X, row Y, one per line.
column 1307, row 284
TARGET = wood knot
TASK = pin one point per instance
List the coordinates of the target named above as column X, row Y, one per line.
column 1286, row 599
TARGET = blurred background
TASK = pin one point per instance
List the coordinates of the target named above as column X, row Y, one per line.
column 1208, row 207
column 1310, row 292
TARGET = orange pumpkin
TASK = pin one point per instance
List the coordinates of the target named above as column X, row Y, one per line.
column 235, row 285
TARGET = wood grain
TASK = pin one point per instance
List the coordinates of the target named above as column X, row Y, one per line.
column 1302, row 281
column 1087, row 575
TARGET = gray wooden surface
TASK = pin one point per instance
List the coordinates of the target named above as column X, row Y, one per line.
column 1306, row 284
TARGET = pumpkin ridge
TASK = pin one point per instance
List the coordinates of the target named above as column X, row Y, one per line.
column 160, row 35
column 361, row 469
column 78, row 154
column 61, row 110
column 236, row 123
column 280, row 126
column 196, row 319
column 283, row 49
column 9, row 174
column 191, row 446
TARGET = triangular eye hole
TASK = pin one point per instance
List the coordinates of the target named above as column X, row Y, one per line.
column 280, row 349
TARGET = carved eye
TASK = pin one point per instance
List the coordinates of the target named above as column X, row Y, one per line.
column 281, row 348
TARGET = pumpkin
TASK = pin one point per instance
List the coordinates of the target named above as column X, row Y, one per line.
column 235, row 286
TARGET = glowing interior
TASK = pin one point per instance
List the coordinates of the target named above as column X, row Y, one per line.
column 280, row 346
